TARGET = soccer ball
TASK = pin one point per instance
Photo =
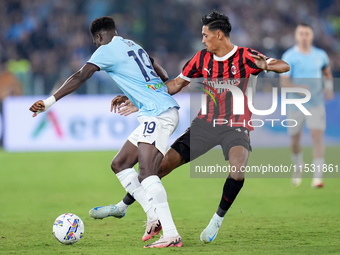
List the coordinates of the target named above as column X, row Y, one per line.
column 68, row 228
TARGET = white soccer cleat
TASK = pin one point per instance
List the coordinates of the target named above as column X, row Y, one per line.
column 163, row 242
column 296, row 182
column 102, row 212
column 210, row 232
column 152, row 229
column 317, row 183
column 297, row 177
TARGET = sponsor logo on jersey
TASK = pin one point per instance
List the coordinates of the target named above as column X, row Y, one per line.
column 208, row 70
column 221, row 85
column 156, row 86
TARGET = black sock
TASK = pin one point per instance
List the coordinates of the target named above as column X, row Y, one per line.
column 230, row 190
column 128, row 199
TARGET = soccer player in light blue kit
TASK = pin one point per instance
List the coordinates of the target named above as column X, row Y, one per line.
column 308, row 65
column 132, row 70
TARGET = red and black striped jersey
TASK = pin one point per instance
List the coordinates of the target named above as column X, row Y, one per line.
column 236, row 68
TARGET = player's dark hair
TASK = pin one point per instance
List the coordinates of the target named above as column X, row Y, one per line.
column 102, row 24
column 217, row 21
column 303, row 24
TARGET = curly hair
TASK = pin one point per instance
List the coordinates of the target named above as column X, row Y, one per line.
column 102, row 23
column 217, row 21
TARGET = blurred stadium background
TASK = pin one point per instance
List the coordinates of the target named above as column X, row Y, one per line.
column 42, row 42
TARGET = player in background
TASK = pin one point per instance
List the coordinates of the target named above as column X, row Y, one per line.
column 219, row 61
column 131, row 68
column 308, row 66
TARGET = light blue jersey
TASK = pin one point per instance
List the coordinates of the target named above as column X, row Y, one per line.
column 130, row 67
column 306, row 69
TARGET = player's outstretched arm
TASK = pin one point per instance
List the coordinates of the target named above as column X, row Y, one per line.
column 278, row 66
column 174, row 86
column 275, row 65
column 75, row 81
column 70, row 85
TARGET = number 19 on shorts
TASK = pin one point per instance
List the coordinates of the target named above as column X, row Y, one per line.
column 149, row 127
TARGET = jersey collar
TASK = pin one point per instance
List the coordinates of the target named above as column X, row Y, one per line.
column 305, row 54
column 232, row 52
column 116, row 36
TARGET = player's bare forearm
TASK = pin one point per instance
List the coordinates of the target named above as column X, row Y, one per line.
column 278, row 66
column 70, row 85
column 75, row 81
column 160, row 71
column 275, row 65
column 174, row 86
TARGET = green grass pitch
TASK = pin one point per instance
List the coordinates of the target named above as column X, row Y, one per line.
column 268, row 217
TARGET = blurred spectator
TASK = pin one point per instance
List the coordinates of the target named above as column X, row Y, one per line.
column 51, row 34
column 9, row 84
column 20, row 67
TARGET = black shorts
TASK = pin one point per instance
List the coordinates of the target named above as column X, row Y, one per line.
column 201, row 136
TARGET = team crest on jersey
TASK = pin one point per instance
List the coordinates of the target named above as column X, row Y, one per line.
column 233, row 69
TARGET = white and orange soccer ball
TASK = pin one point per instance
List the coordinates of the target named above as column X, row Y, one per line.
column 68, row 228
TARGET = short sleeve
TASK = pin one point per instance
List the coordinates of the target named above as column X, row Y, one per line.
column 190, row 69
column 102, row 58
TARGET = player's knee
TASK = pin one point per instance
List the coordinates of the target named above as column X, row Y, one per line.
column 117, row 165
column 237, row 176
column 238, row 158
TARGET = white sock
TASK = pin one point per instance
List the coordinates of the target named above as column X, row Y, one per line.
column 129, row 179
column 157, row 194
column 318, row 164
column 219, row 218
column 297, row 159
column 122, row 206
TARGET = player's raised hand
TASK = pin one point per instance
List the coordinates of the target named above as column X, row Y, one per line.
column 260, row 61
column 37, row 107
column 117, row 101
column 127, row 108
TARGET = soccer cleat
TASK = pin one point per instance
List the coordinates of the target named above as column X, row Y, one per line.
column 210, row 232
column 102, row 212
column 296, row 182
column 152, row 228
column 297, row 177
column 163, row 242
column 317, row 183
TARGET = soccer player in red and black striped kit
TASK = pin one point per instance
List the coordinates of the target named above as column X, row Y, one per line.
column 220, row 62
